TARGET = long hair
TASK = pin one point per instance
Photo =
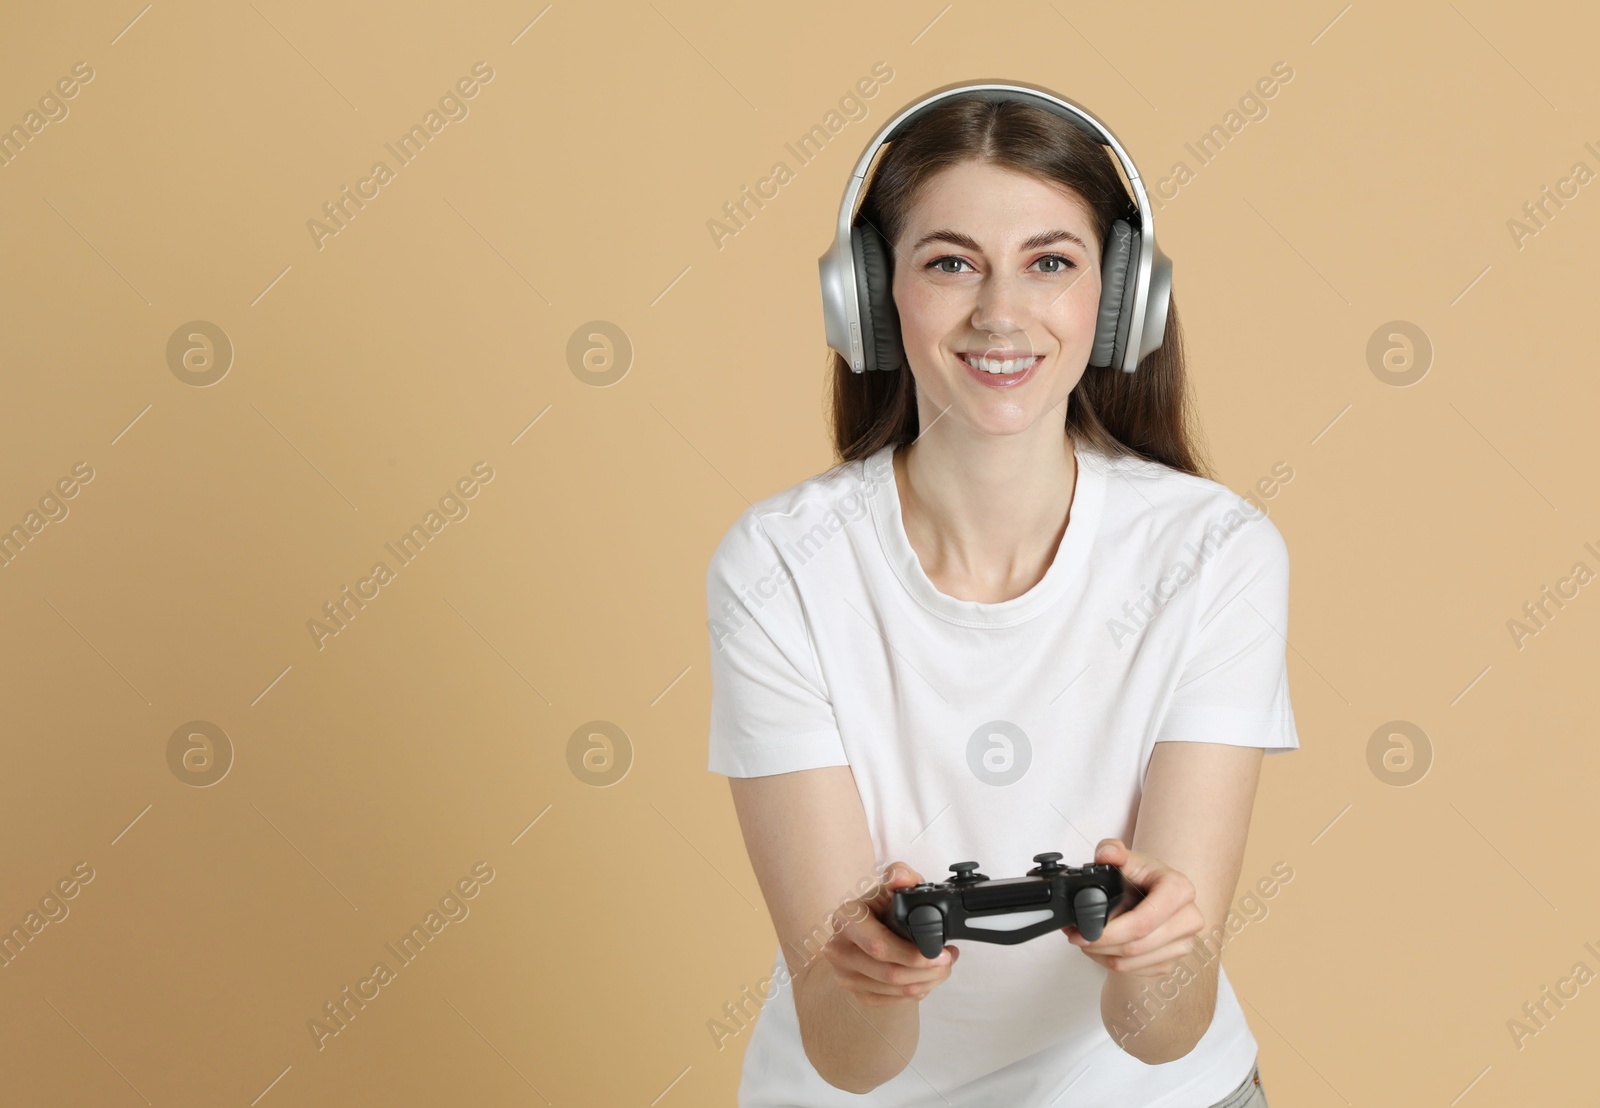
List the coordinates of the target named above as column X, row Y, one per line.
column 1146, row 414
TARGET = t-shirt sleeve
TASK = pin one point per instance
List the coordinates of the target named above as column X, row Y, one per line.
column 770, row 712
column 1234, row 684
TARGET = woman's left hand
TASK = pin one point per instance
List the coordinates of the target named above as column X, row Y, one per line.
column 1149, row 939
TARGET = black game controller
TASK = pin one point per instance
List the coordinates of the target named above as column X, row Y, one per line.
column 971, row 906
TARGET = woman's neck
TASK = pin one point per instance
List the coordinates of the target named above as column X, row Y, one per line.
column 986, row 521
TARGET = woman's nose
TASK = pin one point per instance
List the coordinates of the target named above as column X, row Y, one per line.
column 1001, row 306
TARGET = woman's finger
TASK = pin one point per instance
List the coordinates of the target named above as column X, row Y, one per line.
column 1164, row 899
column 850, row 957
column 1182, row 926
column 1167, row 957
column 872, row 936
column 888, row 971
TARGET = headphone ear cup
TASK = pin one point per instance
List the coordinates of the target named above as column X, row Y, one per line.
column 1158, row 301
column 1116, row 305
column 880, row 322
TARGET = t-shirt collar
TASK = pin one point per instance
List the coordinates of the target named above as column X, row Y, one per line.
column 1071, row 556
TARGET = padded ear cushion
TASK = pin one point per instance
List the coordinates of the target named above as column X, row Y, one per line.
column 880, row 323
column 1116, row 306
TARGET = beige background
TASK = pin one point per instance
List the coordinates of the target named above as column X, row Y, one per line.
column 369, row 775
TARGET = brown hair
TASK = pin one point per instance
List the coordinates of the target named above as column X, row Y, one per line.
column 1146, row 414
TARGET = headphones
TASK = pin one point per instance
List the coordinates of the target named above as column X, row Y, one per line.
column 858, row 309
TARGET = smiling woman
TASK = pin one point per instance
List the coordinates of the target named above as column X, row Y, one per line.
column 962, row 313
column 932, row 682
column 996, row 161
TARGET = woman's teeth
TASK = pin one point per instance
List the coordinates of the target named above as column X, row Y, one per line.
column 1000, row 366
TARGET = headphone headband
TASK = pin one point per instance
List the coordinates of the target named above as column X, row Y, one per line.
column 1148, row 272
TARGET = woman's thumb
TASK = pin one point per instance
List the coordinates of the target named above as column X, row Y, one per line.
column 903, row 876
column 897, row 875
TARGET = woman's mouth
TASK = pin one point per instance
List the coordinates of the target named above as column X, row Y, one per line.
column 1000, row 373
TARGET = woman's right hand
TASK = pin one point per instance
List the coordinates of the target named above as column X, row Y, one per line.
column 875, row 965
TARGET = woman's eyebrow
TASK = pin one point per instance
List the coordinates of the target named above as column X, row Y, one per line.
column 967, row 242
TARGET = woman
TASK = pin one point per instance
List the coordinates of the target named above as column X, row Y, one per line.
column 1016, row 617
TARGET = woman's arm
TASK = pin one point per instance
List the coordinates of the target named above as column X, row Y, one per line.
column 809, row 845
column 1194, row 818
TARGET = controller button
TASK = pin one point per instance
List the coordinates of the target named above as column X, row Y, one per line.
column 1089, row 910
column 926, row 924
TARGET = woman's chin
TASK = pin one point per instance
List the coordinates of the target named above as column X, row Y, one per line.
column 1000, row 418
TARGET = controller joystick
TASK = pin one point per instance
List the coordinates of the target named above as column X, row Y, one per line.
column 1012, row 910
column 966, row 873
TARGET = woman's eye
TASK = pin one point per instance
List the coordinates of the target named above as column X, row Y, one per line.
column 1066, row 263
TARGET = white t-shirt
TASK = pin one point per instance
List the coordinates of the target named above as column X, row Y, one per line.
column 994, row 732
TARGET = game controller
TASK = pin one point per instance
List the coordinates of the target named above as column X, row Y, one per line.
column 1010, row 910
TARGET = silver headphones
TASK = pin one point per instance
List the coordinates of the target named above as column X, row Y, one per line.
column 857, row 306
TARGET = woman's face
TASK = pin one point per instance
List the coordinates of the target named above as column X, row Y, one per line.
column 999, row 268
